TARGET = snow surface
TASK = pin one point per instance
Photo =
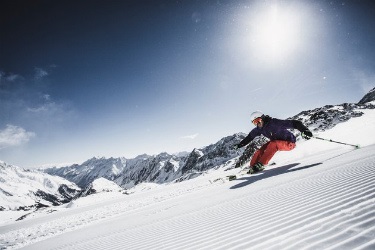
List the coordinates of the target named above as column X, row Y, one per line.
column 318, row 196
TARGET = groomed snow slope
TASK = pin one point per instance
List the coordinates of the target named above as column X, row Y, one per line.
column 319, row 196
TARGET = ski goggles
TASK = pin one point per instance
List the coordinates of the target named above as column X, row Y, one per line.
column 256, row 121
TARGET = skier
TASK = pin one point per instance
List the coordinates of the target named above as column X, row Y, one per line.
column 281, row 139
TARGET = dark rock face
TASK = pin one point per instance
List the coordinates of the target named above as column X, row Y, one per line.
column 369, row 97
column 321, row 119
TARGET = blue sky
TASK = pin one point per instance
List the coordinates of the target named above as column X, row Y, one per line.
column 80, row 79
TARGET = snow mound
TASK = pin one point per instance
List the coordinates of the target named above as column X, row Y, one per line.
column 104, row 185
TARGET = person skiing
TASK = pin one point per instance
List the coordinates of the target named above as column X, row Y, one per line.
column 281, row 139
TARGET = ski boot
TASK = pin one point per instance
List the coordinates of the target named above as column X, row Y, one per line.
column 258, row 167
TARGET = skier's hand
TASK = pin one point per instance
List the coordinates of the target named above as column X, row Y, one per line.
column 306, row 134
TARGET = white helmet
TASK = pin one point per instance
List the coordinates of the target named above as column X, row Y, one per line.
column 255, row 115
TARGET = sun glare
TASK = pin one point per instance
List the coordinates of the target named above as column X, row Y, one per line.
column 275, row 34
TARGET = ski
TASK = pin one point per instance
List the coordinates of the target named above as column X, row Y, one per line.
column 242, row 172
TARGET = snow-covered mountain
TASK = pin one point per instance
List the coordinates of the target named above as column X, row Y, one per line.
column 145, row 168
column 161, row 168
column 164, row 167
column 324, row 118
column 22, row 189
column 90, row 170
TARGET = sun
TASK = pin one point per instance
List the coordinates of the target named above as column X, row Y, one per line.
column 275, row 34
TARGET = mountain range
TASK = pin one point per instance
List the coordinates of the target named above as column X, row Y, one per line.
column 161, row 168
column 22, row 189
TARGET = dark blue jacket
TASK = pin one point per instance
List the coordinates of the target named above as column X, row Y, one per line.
column 274, row 129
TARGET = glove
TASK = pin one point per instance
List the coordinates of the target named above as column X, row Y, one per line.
column 306, row 134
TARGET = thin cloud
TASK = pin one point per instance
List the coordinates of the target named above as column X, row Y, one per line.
column 8, row 79
column 189, row 137
column 13, row 77
column 40, row 73
column 14, row 136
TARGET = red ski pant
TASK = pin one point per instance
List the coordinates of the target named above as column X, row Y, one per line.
column 267, row 151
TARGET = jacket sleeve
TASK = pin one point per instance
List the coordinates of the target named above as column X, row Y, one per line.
column 299, row 125
column 253, row 133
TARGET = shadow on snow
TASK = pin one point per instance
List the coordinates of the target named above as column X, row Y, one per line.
column 270, row 173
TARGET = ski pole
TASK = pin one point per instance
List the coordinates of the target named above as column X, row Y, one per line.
column 356, row 146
